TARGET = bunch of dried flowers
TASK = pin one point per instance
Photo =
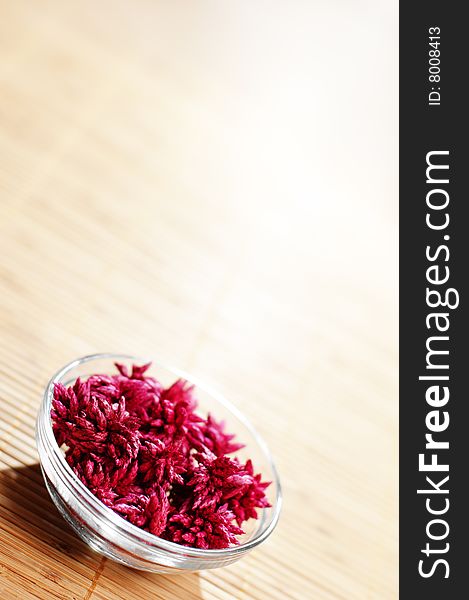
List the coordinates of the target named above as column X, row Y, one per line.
column 144, row 451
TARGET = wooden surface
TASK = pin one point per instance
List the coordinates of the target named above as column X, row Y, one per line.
column 212, row 184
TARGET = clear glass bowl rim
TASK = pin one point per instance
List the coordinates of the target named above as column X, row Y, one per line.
column 128, row 530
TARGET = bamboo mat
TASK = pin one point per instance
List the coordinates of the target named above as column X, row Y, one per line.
column 207, row 183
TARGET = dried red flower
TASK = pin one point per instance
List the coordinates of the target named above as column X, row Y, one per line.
column 211, row 435
column 205, row 528
column 144, row 452
column 161, row 461
column 217, row 479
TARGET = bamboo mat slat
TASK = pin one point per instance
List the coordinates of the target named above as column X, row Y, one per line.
column 209, row 184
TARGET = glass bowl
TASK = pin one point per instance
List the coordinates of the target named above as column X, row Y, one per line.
column 111, row 535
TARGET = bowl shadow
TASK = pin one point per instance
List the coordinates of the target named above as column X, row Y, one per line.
column 29, row 516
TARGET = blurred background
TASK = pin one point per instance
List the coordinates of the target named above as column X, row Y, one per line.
column 213, row 184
